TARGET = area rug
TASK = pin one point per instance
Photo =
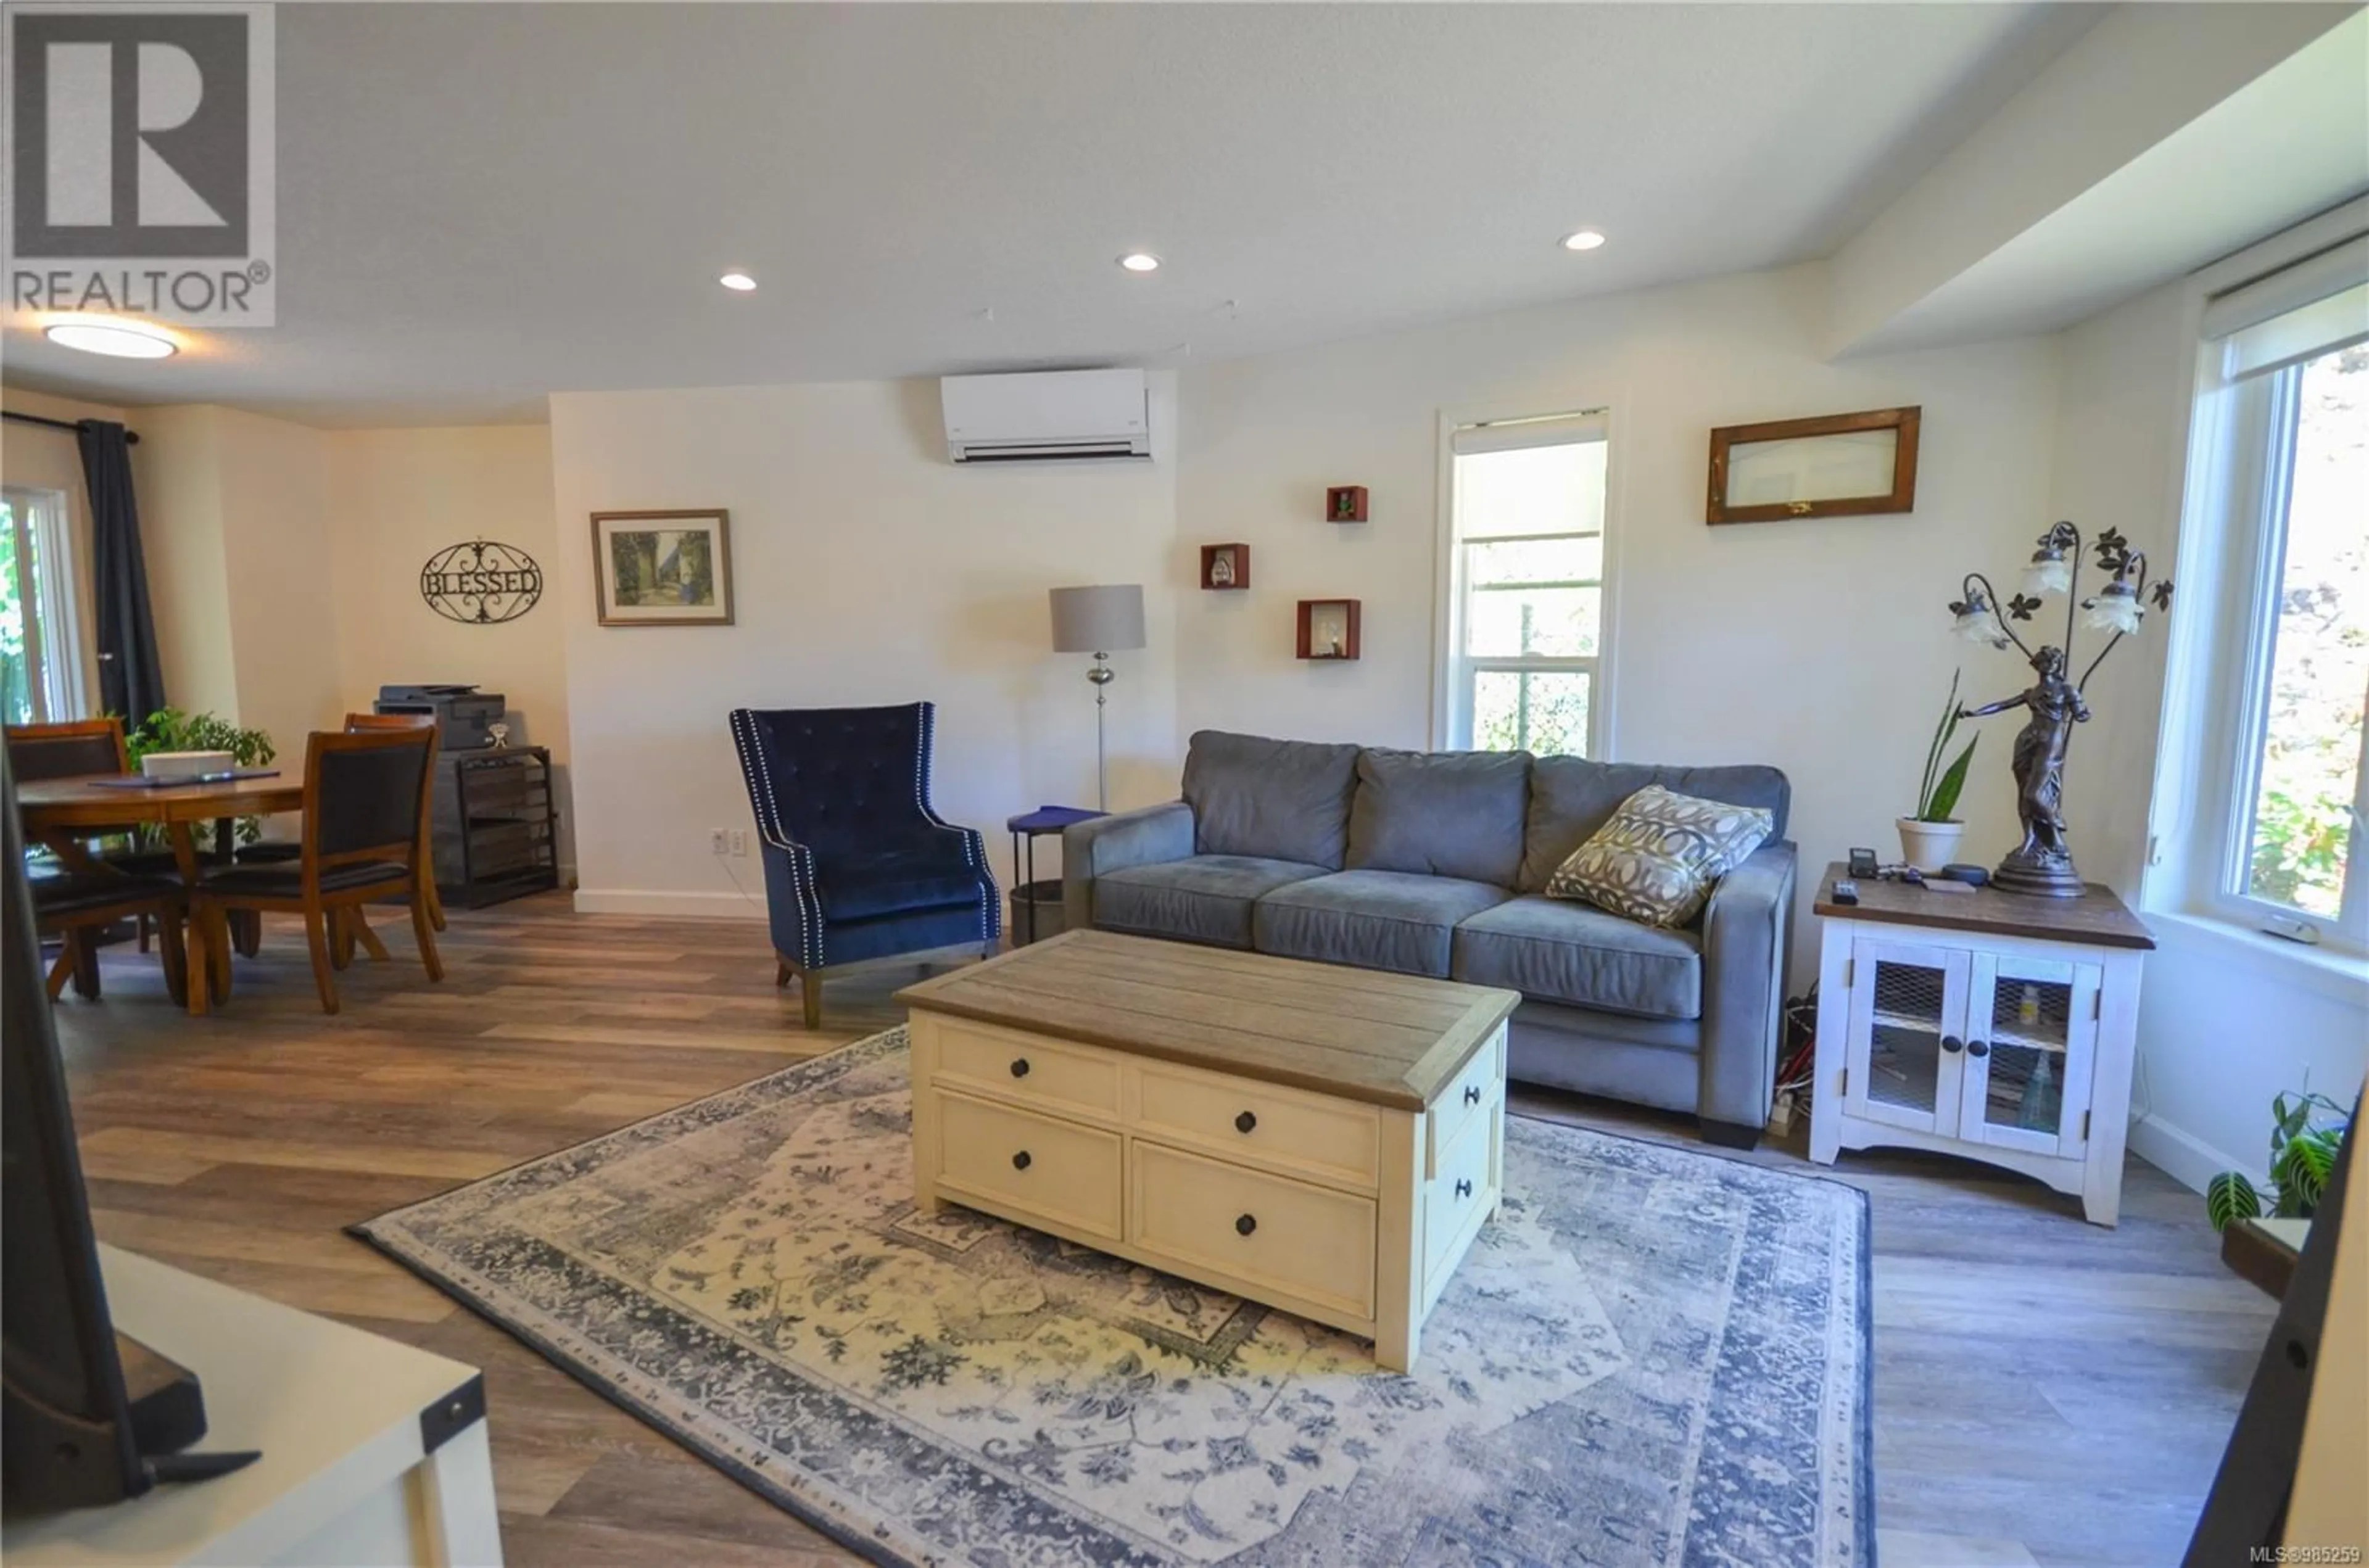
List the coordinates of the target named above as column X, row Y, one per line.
column 1651, row 1355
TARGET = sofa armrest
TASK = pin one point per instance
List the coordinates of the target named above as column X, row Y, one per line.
column 1746, row 934
column 1147, row 837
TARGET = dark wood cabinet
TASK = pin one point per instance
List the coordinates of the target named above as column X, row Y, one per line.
column 495, row 826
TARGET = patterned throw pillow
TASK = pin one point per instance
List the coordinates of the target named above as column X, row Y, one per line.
column 1659, row 857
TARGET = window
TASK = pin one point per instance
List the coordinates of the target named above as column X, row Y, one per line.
column 2287, row 402
column 41, row 641
column 1524, row 616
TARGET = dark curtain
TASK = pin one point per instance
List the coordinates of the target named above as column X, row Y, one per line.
column 131, row 680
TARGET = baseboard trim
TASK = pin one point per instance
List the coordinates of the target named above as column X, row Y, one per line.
column 2182, row 1155
column 687, row 906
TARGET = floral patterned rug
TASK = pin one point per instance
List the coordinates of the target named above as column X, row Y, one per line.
column 1651, row 1355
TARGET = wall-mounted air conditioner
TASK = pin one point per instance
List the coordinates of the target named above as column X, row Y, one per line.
column 1047, row 416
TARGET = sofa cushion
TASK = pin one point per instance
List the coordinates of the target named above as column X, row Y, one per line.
column 1441, row 813
column 1205, row 899
column 1660, row 856
column 1570, row 953
column 1374, row 919
column 1270, row 799
column 1572, row 798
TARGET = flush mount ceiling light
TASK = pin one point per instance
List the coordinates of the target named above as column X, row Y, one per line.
column 738, row 283
column 124, row 339
column 1140, row 261
column 1584, row 239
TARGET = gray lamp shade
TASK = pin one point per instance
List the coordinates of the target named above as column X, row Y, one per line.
column 1106, row 618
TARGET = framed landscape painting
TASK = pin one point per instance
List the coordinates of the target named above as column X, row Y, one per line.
column 662, row 568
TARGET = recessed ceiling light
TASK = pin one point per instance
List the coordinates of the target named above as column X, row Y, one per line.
column 1585, row 239
column 1140, row 261
column 124, row 339
column 738, row 283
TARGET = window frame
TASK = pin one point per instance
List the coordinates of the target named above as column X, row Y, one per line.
column 51, row 606
column 1454, row 672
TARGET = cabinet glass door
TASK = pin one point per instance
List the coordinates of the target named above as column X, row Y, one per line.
column 1907, row 1014
column 2029, row 1028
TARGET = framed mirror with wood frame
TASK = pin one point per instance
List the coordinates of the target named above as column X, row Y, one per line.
column 1835, row 465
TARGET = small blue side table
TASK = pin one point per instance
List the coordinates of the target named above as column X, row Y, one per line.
column 1026, row 828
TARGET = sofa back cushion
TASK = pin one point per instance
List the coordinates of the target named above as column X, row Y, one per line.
column 1441, row 813
column 1272, row 800
column 1572, row 798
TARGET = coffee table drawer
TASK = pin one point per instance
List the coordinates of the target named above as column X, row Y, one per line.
column 1339, row 1139
column 1007, row 1063
column 1473, row 1093
column 1035, row 1165
column 1454, row 1197
column 1270, row 1232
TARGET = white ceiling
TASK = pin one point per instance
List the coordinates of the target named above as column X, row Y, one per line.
column 479, row 204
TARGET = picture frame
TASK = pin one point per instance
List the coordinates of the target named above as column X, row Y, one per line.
column 1835, row 465
column 1328, row 629
column 1225, row 567
column 663, row 568
column 1344, row 503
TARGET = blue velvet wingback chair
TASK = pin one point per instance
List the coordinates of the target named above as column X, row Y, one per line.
column 857, row 866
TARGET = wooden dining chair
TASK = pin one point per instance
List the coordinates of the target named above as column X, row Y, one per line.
column 362, row 723
column 364, row 840
column 80, row 749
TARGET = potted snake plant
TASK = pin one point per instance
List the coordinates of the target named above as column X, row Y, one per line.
column 1928, row 839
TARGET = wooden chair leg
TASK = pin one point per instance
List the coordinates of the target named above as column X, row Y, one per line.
column 176, row 957
column 247, row 931
column 435, row 904
column 782, row 972
column 423, row 925
column 341, row 938
column 84, row 941
column 324, row 978
column 144, row 932
column 357, row 929
column 61, row 970
column 218, row 951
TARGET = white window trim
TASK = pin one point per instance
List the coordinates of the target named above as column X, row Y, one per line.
column 52, row 606
column 1448, row 628
column 2200, row 820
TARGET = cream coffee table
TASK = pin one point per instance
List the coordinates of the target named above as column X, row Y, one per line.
column 1323, row 1139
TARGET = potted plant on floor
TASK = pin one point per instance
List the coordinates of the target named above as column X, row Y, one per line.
column 1929, row 838
column 2306, row 1134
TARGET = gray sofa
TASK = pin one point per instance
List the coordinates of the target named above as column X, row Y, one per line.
column 1435, row 863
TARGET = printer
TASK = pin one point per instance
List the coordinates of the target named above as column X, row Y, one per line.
column 463, row 713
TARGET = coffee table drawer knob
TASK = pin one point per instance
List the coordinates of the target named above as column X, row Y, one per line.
column 1245, row 1225
column 1244, row 1122
column 1021, row 1162
column 1472, row 1094
column 1019, row 1067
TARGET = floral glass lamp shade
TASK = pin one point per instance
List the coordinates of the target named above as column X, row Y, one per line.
column 1100, row 619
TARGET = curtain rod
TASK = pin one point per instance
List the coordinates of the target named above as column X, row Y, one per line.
column 130, row 437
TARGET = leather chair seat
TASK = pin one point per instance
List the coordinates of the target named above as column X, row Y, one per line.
column 288, row 881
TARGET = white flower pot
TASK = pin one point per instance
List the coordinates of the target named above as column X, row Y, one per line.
column 1928, row 846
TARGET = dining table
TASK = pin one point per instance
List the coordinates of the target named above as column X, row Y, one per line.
column 65, row 813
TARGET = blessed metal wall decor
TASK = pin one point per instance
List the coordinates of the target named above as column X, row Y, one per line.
column 483, row 582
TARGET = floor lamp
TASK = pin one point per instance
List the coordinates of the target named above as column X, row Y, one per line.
column 1101, row 619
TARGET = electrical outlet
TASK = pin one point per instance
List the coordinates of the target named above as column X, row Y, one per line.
column 740, row 843
column 718, row 842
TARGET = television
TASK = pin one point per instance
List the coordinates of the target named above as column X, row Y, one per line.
column 88, row 1416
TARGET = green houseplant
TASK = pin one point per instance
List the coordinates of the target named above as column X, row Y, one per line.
column 170, row 730
column 2306, row 1132
column 1929, row 837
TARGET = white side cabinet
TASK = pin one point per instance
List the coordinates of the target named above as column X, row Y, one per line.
column 1999, row 1026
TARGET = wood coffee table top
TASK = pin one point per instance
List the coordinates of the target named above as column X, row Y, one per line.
column 1387, row 1039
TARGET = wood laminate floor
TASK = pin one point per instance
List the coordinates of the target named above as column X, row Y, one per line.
column 2046, row 1392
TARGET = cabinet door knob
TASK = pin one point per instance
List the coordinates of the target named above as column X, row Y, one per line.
column 1244, row 1122
column 1952, row 1044
column 1463, row 1187
column 1019, row 1067
column 1978, row 1049
column 1021, row 1162
column 1245, row 1225
column 1472, row 1094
